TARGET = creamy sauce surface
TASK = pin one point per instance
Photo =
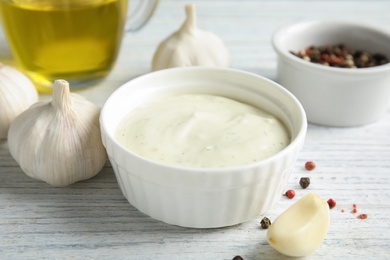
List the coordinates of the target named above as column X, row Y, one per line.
column 202, row 131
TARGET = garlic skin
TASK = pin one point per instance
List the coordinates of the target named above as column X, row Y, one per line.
column 17, row 93
column 59, row 142
column 190, row 46
column 300, row 230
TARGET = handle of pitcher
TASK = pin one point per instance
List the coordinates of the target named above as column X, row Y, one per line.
column 140, row 14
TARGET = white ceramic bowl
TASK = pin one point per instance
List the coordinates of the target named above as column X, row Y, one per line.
column 203, row 198
column 334, row 96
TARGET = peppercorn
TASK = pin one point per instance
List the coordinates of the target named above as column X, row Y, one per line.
column 304, row 182
column 310, row 165
column 331, row 203
column 265, row 223
column 237, row 257
column 290, row 194
column 362, row 216
column 354, row 210
column 340, row 56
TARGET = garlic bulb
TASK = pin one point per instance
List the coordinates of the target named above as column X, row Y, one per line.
column 58, row 142
column 301, row 229
column 17, row 93
column 190, row 46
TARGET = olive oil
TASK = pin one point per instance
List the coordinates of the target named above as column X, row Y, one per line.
column 75, row 40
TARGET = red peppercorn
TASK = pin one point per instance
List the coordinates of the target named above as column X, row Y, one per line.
column 290, row 194
column 331, row 203
column 310, row 165
column 362, row 216
column 354, row 211
column 325, row 57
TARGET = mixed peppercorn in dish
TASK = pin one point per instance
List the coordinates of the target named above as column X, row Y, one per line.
column 341, row 56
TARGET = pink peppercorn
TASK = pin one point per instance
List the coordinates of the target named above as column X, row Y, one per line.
column 290, row 194
column 310, row 165
column 362, row 216
column 331, row 203
column 325, row 57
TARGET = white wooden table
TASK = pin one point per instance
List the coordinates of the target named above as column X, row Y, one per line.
column 92, row 220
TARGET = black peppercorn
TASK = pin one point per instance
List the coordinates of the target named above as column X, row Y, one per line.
column 265, row 223
column 304, row 182
column 237, row 257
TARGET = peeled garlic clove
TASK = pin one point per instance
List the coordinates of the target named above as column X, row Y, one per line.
column 58, row 142
column 301, row 229
column 191, row 46
column 17, row 93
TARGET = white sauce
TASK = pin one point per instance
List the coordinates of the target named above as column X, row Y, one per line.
column 202, row 131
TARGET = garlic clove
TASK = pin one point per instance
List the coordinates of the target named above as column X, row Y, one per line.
column 300, row 230
column 17, row 93
column 191, row 46
column 58, row 142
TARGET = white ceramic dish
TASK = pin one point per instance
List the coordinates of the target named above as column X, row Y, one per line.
column 203, row 198
column 334, row 96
